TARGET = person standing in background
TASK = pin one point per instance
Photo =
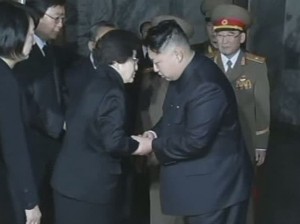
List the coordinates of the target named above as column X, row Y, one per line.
column 79, row 73
column 248, row 76
column 16, row 40
column 40, row 79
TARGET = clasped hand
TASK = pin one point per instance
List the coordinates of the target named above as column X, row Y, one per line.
column 145, row 143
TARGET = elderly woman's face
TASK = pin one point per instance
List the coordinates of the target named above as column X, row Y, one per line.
column 129, row 68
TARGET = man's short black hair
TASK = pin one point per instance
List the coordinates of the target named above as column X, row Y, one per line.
column 40, row 6
column 14, row 26
column 115, row 46
column 163, row 34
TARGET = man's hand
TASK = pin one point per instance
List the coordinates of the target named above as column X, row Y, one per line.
column 33, row 216
column 260, row 156
column 145, row 145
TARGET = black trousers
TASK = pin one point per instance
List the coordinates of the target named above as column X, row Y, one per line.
column 72, row 211
column 235, row 214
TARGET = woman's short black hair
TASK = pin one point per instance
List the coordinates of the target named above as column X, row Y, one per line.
column 14, row 26
column 115, row 46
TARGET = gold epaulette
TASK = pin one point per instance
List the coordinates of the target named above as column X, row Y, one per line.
column 255, row 58
column 211, row 55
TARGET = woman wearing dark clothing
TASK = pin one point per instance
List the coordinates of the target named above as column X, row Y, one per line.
column 16, row 40
column 87, row 176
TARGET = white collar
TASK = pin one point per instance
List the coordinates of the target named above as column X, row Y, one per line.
column 40, row 43
column 92, row 61
column 233, row 59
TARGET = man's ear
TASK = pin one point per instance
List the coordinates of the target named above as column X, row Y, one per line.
column 91, row 45
column 178, row 55
column 243, row 38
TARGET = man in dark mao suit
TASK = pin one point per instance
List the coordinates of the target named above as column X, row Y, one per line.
column 205, row 170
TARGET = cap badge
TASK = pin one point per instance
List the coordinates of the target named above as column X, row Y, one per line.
column 224, row 22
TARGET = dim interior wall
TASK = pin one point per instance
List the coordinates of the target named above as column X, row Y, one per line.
column 276, row 35
column 127, row 14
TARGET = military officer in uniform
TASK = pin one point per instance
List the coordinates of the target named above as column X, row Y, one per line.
column 248, row 75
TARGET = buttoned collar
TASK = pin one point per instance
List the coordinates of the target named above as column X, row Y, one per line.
column 187, row 73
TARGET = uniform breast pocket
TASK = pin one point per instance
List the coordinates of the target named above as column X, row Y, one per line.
column 245, row 96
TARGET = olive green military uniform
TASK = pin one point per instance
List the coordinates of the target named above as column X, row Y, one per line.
column 250, row 82
column 248, row 78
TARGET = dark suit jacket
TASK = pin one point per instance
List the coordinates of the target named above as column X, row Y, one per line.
column 89, row 165
column 205, row 166
column 40, row 80
column 14, row 155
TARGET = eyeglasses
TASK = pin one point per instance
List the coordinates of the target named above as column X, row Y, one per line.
column 57, row 19
column 228, row 36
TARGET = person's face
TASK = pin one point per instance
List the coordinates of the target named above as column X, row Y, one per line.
column 165, row 64
column 129, row 68
column 211, row 34
column 229, row 42
column 29, row 42
column 51, row 23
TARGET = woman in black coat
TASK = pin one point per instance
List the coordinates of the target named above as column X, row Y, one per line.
column 16, row 40
column 87, row 176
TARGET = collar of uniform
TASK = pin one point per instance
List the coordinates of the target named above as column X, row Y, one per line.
column 187, row 73
column 3, row 64
column 40, row 43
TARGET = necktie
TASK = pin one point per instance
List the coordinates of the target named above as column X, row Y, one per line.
column 46, row 49
column 229, row 68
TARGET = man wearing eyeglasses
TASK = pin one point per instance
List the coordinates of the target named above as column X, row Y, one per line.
column 40, row 79
column 248, row 76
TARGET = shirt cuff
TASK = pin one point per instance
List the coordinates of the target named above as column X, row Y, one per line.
column 264, row 150
column 153, row 132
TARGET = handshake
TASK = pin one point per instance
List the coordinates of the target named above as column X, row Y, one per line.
column 145, row 143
